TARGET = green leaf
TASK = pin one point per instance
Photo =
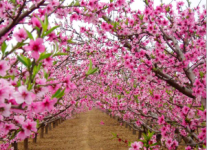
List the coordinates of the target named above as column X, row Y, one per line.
column 129, row 143
column 152, row 56
column 55, row 62
column 202, row 108
column 127, row 92
column 167, row 9
column 146, row 2
column 115, row 24
column 13, row 1
column 201, row 74
column 46, row 20
column 56, row 93
column 114, row 134
column 59, row 54
column 44, row 56
column 151, row 91
column 70, row 41
column 36, row 69
column 26, row 61
column 8, row 77
column 46, row 75
column 38, row 30
column 15, row 133
column 29, row 34
column 88, row 54
column 68, row 49
column 168, row 92
column 154, row 144
column 61, row 94
column 150, row 134
column 3, row 47
column 134, row 85
column 38, row 123
column 141, row 17
column 119, row 97
column 90, row 64
column 29, row 87
column 57, row 47
column 145, row 136
column 18, row 83
column 136, row 98
column 20, row 44
column 91, row 70
column 77, row 3
column 126, row 21
column 111, row 1
column 44, row 25
column 50, row 31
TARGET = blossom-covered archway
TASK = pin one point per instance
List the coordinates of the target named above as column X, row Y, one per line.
column 147, row 67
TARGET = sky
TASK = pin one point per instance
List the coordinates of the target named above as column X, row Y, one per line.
column 140, row 4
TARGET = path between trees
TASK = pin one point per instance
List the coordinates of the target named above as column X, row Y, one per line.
column 85, row 132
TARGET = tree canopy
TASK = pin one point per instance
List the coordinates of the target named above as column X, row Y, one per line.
column 147, row 67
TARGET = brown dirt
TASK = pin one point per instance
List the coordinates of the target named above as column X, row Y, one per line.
column 84, row 132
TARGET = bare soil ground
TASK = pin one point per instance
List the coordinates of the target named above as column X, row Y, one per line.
column 84, row 132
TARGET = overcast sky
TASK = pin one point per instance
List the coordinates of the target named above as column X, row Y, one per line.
column 139, row 4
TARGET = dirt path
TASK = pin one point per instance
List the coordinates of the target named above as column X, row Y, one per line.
column 84, row 132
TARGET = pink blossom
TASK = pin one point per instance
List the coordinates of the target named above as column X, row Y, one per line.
column 20, row 35
column 36, row 22
column 188, row 148
column 22, row 135
column 203, row 131
column 4, row 93
column 29, row 126
column 161, row 120
column 48, row 104
column 136, row 146
column 23, row 95
column 102, row 123
column 35, row 107
column 48, row 61
column 120, row 2
column 49, row 8
column 54, row 2
column 41, row 91
column 36, row 47
column 169, row 142
column 156, row 97
column 5, row 109
column 185, row 110
column 42, row 12
column 72, row 102
column 164, row 129
column 9, row 126
column 202, row 136
column 73, row 17
column 4, row 66
column 19, row 119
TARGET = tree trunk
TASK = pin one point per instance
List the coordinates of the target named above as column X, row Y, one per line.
column 42, row 132
column 35, row 138
column 15, row 145
column 46, row 129
column 26, row 144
